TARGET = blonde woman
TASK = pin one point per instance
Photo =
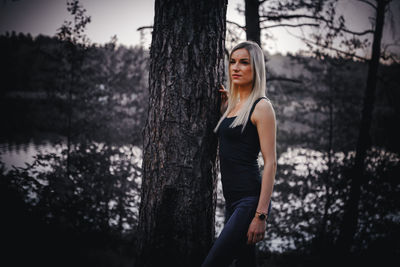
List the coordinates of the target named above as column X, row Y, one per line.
column 247, row 126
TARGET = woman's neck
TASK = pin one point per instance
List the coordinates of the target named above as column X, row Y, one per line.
column 244, row 92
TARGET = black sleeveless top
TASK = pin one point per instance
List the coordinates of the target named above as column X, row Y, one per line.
column 238, row 154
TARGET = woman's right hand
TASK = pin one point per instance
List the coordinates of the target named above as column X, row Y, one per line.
column 224, row 98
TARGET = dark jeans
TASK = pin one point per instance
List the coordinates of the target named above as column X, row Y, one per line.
column 231, row 243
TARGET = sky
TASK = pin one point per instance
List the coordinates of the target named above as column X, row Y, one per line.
column 123, row 17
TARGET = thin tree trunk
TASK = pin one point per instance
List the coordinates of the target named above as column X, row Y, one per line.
column 350, row 218
column 71, row 77
column 178, row 194
column 328, row 198
column 253, row 31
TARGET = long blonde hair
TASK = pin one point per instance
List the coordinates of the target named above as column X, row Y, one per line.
column 259, row 85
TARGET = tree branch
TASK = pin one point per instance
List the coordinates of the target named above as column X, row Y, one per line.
column 331, row 48
column 368, row 3
column 287, row 17
column 355, row 33
column 236, row 24
column 144, row 27
column 290, row 25
column 318, row 18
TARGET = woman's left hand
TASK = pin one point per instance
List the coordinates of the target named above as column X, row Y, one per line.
column 256, row 231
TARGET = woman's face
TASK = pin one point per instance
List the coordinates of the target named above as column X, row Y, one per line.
column 240, row 67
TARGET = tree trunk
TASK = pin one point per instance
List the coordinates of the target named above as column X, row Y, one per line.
column 178, row 194
column 350, row 218
column 252, row 21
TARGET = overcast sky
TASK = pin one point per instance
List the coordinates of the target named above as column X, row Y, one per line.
column 123, row 17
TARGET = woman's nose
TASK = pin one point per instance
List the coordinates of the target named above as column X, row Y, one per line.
column 235, row 67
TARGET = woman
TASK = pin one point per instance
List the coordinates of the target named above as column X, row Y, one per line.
column 246, row 127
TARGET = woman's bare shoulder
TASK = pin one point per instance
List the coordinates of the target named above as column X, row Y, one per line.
column 263, row 110
column 264, row 107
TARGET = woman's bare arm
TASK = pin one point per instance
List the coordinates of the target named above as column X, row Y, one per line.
column 264, row 118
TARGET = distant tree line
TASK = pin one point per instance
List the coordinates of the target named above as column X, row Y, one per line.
column 110, row 81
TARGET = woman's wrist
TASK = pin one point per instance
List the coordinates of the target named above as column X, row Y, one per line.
column 261, row 215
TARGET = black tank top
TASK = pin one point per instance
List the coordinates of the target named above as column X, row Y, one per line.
column 238, row 154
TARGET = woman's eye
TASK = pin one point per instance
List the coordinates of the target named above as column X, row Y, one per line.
column 232, row 62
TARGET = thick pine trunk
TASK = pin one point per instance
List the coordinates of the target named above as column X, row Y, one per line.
column 350, row 218
column 252, row 16
column 176, row 217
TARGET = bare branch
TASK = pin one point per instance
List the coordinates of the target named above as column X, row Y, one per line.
column 318, row 18
column 368, row 3
column 236, row 24
column 288, row 17
column 355, row 33
column 332, row 48
column 290, row 25
column 144, row 27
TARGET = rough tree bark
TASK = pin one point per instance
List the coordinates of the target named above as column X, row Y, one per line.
column 350, row 218
column 178, row 197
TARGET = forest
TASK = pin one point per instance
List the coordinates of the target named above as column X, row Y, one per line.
column 79, row 204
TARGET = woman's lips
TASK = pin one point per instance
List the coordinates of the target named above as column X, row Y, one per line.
column 235, row 76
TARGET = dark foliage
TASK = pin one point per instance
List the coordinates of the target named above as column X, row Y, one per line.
column 86, row 219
